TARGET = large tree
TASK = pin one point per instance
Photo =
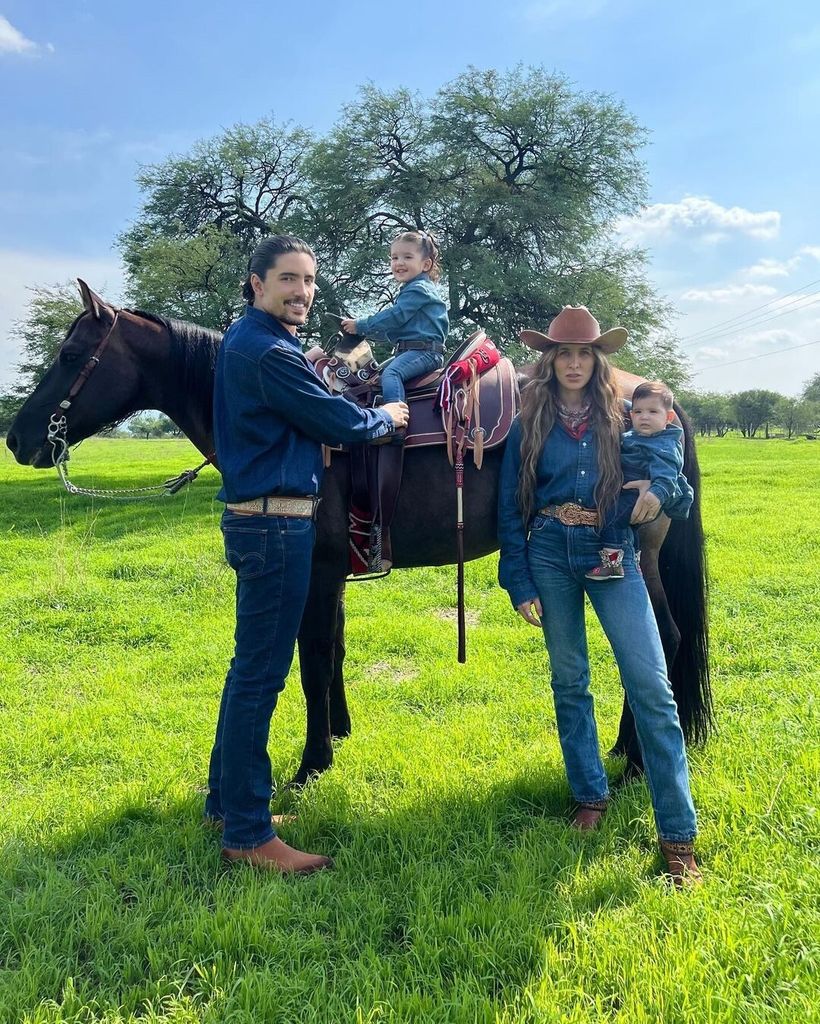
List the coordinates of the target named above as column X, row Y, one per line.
column 521, row 178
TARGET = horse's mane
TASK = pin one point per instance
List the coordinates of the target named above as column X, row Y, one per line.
column 193, row 349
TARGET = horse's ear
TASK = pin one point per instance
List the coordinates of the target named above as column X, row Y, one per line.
column 92, row 302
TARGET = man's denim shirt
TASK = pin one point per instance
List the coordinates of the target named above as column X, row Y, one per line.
column 272, row 413
column 418, row 314
column 567, row 470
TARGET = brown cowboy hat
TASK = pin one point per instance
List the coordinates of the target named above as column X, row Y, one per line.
column 575, row 325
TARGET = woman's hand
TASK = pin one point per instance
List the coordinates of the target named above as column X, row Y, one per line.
column 531, row 610
column 349, row 326
column 647, row 506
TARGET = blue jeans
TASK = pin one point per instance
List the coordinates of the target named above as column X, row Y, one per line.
column 558, row 557
column 406, row 366
column 271, row 557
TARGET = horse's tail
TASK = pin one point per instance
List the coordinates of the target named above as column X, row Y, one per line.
column 682, row 565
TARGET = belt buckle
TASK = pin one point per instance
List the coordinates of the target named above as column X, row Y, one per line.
column 570, row 514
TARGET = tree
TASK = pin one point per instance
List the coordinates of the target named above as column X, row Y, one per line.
column 51, row 312
column 9, row 404
column 147, row 425
column 203, row 215
column 520, row 178
column 709, row 411
column 753, row 409
column 811, row 389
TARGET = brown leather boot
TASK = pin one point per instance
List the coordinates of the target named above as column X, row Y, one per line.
column 588, row 815
column 681, row 865
column 274, row 855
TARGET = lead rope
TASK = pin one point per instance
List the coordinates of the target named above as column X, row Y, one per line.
column 60, row 455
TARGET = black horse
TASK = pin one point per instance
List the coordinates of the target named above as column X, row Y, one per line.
column 126, row 360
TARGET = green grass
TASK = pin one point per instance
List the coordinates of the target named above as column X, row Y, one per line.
column 460, row 894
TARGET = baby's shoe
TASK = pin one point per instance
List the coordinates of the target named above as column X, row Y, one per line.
column 611, row 567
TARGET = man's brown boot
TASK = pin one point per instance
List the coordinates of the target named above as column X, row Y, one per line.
column 681, row 865
column 274, row 855
column 588, row 816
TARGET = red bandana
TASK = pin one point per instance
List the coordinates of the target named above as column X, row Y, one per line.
column 575, row 421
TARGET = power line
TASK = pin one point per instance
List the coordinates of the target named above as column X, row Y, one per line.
column 752, row 325
column 748, row 313
column 763, row 355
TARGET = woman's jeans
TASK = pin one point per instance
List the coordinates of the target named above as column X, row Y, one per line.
column 271, row 556
column 558, row 558
column 406, row 366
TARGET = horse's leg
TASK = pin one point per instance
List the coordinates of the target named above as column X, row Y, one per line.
column 339, row 714
column 317, row 651
column 652, row 537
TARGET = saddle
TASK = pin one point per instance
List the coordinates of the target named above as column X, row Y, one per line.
column 447, row 408
column 355, row 374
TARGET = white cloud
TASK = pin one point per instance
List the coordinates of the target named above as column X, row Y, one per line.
column 727, row 294
column 19, row 271
column 771, row 268
column 12, row 40
column 782, row 268
column 713, row 222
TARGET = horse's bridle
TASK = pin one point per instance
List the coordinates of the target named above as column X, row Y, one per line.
column 57, row 435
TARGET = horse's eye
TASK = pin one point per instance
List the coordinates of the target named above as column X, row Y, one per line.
column 69, row 357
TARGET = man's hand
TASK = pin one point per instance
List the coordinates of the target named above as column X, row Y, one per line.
column 349, row 326
column 647, row 506
column 399, row 413
column 531, row 610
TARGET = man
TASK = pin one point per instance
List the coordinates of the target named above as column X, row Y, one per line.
column 271, row 416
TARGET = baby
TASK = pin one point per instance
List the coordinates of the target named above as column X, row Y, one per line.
column 652, row 450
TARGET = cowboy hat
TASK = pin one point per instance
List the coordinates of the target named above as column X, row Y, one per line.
column 575, row 325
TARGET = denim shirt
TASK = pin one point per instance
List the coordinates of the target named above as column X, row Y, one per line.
column 272, row 413
column 418, row 314
column 567, row 470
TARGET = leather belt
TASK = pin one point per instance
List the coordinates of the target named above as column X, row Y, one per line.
column 276, row 505
column 420, row 346
column 570, row 514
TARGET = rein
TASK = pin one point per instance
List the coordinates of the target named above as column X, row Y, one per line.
column 57, row 437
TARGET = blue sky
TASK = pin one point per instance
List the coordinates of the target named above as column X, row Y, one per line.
column 730, row 92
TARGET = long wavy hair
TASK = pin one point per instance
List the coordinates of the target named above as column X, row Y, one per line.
column 539, row 410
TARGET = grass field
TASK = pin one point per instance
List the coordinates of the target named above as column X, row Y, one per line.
column 459, row 894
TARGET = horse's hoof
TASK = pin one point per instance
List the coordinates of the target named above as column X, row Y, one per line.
column 304, row 776
column 340, row 734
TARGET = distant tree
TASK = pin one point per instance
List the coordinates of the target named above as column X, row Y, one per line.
column 51, row 312
column 9, row 404
column 811, row 389
column 753, row 409
column 787, row 414
column 521, row 178
column 147, row 425
column 709, row 411
column 797, row 415
column 808, row 416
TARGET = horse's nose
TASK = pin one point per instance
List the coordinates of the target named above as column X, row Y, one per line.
column 12, row 443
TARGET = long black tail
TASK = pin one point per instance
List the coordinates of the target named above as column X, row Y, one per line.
column 682, row 565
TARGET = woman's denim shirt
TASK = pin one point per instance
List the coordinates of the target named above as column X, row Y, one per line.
column 567, row 470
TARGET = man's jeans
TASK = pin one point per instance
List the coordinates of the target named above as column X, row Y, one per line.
column 558, row 558
column 271, row 557
column 406, row 366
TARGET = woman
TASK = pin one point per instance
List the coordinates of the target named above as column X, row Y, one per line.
column 560, row 478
